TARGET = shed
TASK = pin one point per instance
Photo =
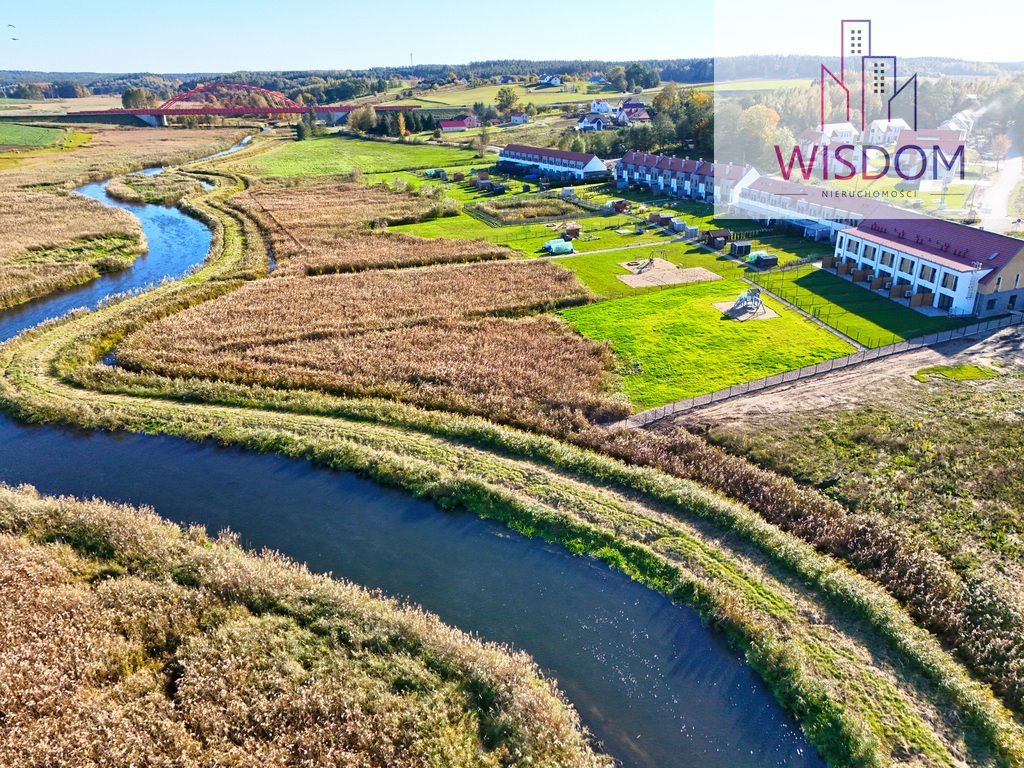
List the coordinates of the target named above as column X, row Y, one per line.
column 678, row 224
column 459, row 176
column 692, row 232
column 740, row 248
column 762, row 259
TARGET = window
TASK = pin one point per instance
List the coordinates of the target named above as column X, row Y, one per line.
column 927, row 273
column 949, row 282
column 906, row 265
column 887, row 258
column 1012, row 303
column 869, row 252
column 1016, row 281
column 990, row 304
column 999, row 283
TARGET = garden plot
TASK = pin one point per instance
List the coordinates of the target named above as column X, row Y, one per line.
column 647, row 273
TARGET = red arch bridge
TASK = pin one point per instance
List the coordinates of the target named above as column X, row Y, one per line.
column 183, row 105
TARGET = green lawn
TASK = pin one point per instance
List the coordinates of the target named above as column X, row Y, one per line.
column 336, row 154
column 599, row 233
column 673, row 343
column 12, row 134
column 869, row 317
column 488, row 94
column 598, row 271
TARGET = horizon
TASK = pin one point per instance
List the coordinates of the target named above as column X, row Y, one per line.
column 264, row 37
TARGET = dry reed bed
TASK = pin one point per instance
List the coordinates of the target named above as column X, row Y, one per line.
column 128, row 641
column 319, row 229
column 521, row 209
column 413, row 335
column 37, row 214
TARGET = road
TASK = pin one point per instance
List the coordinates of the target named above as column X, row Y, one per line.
column 995, row 205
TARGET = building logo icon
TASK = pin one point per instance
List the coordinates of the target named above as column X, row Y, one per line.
column 878, row 77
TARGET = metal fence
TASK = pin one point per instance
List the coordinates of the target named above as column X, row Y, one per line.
column 857, row 358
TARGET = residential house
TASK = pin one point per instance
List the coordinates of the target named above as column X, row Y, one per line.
column 518, row 118
column 910, row 161
column 549, row 80
column 633, row 116
column 460, row 123
column 884, row 133
column 601, row 107
column 801, row 206
column 595, row 121
column 552, row 163
column 936, row 263
column 599, row 80
column 962, row 122
column 683, row 177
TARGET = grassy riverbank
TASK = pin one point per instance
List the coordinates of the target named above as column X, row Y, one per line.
column 868, row 685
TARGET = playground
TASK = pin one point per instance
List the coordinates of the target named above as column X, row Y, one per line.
column 678, row 341
column 749, row 305
column 654, row 271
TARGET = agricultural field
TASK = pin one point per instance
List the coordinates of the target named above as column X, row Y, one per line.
column 13, row 135
column 204, row 654
column 863, row 315
column 50, row 107
column 338, row 155
column 674, row 343
column 488, row 94
column 442, row 337
column 54, row 240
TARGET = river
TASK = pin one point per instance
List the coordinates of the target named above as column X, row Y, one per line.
column 651, row 682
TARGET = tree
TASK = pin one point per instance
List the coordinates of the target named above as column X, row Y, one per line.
column 401, row 124
column 483, row 140
column 579, row 144
column 666, row 100
column 301, row 131
column 506, row 98
column 363, row 119
column 137, row 98
column 531, row 109
column 664, row 129
column 1000, row 147
column 617, row 77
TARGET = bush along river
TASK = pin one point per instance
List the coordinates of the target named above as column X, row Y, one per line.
column 655, row 686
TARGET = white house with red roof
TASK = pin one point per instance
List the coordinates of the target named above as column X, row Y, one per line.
column 553, row 163
column 885, row 133
column 910, row 160
column 460, row 123
column 936, row 263
column 518, row 117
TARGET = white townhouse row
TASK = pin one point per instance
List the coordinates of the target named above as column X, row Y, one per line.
column 682, row 177
column 931, row 262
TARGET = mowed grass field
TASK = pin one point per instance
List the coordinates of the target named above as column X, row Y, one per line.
column 335, row 155
column 14, row 135
column 488, row 94
column 673, row 343
column 868, row 317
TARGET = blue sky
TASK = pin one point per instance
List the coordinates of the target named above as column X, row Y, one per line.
column 225, row 35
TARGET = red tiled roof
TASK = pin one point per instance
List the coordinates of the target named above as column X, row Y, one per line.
column 948, row 141
column 545, row 152
column 662, row 162
column 945, row 242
